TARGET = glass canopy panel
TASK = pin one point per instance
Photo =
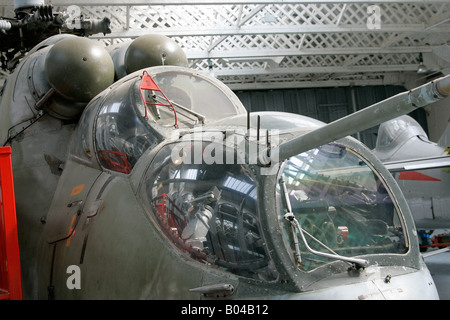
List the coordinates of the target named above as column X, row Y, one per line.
column 342, row 203
column 210, row 212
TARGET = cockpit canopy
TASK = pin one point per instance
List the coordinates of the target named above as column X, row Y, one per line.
column 396, row 131
column 209, row 211
column 404, row 138
column 133, row 116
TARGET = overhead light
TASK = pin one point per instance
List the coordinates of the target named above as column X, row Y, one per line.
column 422, row 69
column 211, row 69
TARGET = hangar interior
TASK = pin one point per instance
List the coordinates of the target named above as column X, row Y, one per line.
column 331, row 57
column 323, row 59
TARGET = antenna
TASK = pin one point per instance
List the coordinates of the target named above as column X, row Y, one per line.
column 248, row 122
column 258, row 125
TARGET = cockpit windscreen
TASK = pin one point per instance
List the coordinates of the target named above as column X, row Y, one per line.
column 210, row 212
column 195, row 98
column 140, row 111
column 341, row 204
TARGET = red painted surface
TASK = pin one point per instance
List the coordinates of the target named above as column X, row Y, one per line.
column 415, row 176
column 10, row 275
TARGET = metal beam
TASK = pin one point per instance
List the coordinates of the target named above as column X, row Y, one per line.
column 313, row 29
column 261, row 53
column 224, row 2
column 307, row 70
column 240, row 23
column 306, row 84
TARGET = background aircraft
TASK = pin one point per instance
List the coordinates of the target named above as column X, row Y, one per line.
column 421, row 168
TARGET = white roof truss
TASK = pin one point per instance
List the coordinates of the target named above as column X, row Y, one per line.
column 283, row 44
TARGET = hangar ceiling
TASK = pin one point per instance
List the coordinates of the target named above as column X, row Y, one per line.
column 284, row 44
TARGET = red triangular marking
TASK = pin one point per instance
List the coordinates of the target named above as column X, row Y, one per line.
column 148, row 83
column 416, row 176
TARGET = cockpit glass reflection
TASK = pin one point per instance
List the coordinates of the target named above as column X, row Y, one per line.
column 210, row 212
column 132, row 116
column 342, row 205
column 195, row 99
column 121, row 135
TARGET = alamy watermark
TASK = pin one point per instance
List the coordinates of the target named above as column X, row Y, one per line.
column 374, row 19
column 74, row 280
column 73, row 17
column 235, row 146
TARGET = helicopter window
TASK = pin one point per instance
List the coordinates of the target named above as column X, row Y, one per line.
column 210, row 212
column 82, row 148
column 340, row 201
column 195, row 98
column 121, row 134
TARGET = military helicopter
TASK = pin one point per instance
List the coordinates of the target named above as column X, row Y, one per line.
column 153, row 182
